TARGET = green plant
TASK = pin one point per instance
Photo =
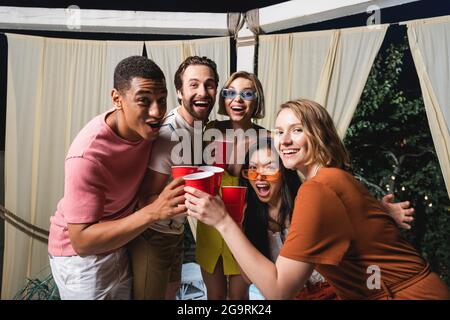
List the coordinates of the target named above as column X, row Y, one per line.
column 38, row 289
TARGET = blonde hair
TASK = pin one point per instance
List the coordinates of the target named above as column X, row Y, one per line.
column 324, row 145
column 259, row 110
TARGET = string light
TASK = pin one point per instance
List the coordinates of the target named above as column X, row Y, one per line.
column 393, row 177
column 426, row 197
column 403, row 188
column 430, row 205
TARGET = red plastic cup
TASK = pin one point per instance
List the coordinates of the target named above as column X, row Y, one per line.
column 203, row 181
column 218, row 173
column 222, row 154
column 234, row 200
column 181, row 171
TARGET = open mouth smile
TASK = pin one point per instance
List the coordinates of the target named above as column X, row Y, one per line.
column 155, row 125
column 290, row 152
column 201, row 103
column 237, row 108
column 262, row 188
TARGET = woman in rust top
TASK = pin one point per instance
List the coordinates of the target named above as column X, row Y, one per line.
column 337, row 227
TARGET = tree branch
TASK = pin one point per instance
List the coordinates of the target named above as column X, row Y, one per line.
column 373, row 185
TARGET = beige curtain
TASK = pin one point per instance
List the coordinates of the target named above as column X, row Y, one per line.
column 26, row 54
column 218, row 50
column 355, row 54
column 167, row 55
column 429, row 41
column 116, row 51
column 235, row 21
column 252, row 19
column 54, row 87
column 312, row 51
column 330, row 67
column 275, row 56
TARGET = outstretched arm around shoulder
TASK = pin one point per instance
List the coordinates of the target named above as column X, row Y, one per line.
column 401, row 212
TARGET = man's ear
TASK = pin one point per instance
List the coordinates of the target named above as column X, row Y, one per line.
column 116, row 99
column 179, row 94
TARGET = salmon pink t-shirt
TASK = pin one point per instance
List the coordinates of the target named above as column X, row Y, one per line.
column 103, row 173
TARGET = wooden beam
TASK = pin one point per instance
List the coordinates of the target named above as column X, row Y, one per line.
column 292, row 14
column 88, row 20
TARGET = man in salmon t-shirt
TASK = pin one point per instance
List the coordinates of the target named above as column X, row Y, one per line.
column 104, row 169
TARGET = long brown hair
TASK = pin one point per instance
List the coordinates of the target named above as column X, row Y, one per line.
column 325, row 146
column 256, row 217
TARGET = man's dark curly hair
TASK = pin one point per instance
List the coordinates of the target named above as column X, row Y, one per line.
column 194, row 60
column 132, row 67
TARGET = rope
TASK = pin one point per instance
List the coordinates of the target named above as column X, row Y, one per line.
column 24, row 226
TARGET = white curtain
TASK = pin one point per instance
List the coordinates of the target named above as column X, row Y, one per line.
column 25, row 54
column 116, row 51
column 54, row 87
column 311, row 54
column 330, row 67
column 218, row 50
column 168, row 55
column 429, row 40
column 275, row 56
